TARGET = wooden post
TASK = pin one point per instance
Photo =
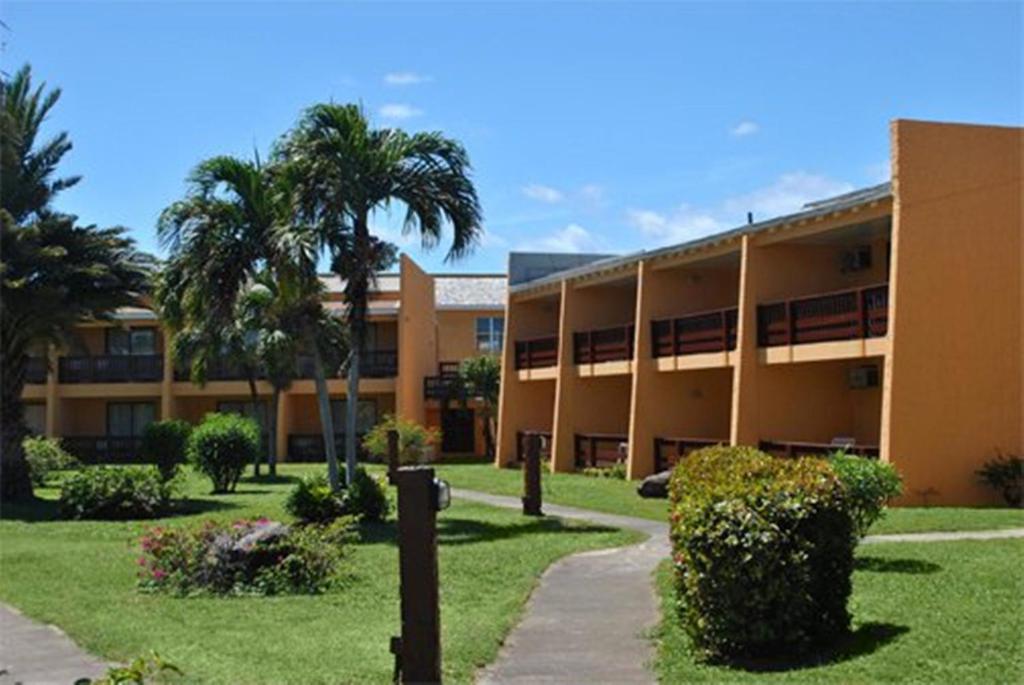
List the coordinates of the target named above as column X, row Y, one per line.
column 393, row 462
column 419, row 648
column 531, row 477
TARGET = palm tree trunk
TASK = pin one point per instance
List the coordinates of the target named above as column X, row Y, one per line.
column 275, row 403
column 326, row 422
column 254, row 400
column 351, row 411
column 15, row 483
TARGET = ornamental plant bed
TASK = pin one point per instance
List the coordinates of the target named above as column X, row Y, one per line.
column 763, row 552
column 247, row 557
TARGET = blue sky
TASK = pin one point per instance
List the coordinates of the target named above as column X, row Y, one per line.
column 591, row 126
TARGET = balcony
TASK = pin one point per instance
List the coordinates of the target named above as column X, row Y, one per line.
column 603, row 345
column 372, row 364
column 445, row 385
column 669, row 451
column 35, row 370
column 712, row 331
column 220, row 370
column 143, row 368
column 790, row 448
column 104, row 449
column 303, row 447
column 537, row 353
column 844, row 315
column 597, row 450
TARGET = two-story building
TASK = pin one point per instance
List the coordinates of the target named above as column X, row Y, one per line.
column 887, row 321
column 117, row 376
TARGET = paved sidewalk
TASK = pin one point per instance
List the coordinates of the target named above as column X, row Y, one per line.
column 36, row 654
column 947, row 536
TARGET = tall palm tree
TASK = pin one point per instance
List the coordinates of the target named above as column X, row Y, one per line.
column 53, row 272
column 345, row 171
column 231, row 226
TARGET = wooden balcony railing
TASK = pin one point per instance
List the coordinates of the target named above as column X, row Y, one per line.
column 445, row 385
column 603, row 345
column 712, row 331
column 111, row 369
column 220, row 370
column 599, row 449
column 372, row 364
column 537, row 353
column 845, row 315
column 790, row 448
column 104, row 449
column 668, row 451
column 545, row 444
column 35, row 370
column 310, row 447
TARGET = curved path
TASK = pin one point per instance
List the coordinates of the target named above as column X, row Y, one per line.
column 589, row 618
column 33, row 653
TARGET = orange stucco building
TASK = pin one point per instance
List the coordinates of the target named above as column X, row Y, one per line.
column 117, row 376
column 889, row 321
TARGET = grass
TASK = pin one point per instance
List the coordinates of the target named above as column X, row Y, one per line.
column 80, row 575
column 619, row 497
column 949, row 612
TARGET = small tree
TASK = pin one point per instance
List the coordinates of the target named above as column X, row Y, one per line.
column 480, row 378
column 414, row 440
column 164, row 444
column 221, row 447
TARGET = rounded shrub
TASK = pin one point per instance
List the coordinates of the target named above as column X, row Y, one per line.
column 763, row 551
column 870, row 484
column 114, row 492
column 312, row 501
column 222, row 446
column 44, row 456
column 367, row 497
column 164, row 444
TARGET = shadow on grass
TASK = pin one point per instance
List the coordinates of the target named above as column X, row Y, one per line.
column 883, row 565
column 32, row 511
column 42, row 510
column 279, row 479
column 188, row 507
column 866, row 639
column 454, row 531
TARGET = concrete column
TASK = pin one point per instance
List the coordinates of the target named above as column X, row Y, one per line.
column 641, row 434
column 284, row 425
column 508, row 400
column 168, row 410
column 744, row 429
column 563, row 448
column 53, row 427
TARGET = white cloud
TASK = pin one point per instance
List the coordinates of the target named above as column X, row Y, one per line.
column 543, row 193
column 592, row 194
column 405, row 78
column 399, row 111
column 788, row 193
column 745, row 128
column 572, row 238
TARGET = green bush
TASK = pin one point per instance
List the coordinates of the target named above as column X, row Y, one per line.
column 616, row 471
column 311, row 500
column 763, row 551
column 222, row 446
column 414, row 441
column 114, row 492
column 164, row 444
column 259, row 557
column 870, row 484
column 44, row 456
column 1005, row 474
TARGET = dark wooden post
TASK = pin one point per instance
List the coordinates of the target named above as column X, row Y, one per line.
column 419, row 648
column 531, row 477
column 393, row 462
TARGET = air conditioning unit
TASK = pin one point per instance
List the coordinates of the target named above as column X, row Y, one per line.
column 856, row 259
column 863, row 377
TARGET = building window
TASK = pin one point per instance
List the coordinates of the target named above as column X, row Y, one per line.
column 244, row 408
column 131, row 341
column 366, row 415
column 129, row 419
column 490, row 331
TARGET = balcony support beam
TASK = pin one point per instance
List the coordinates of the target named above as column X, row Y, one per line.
column 744, row 429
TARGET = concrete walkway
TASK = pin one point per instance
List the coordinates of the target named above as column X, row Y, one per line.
column 36, row 654
column 588, row 619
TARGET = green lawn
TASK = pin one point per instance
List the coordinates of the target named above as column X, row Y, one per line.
column 619, row 497
column 949, row 612
column 81, row 577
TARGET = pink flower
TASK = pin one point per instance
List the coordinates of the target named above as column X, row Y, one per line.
column 142, row 561
column 158, row 574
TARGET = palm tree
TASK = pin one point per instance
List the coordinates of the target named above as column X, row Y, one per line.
column 345, row 170
column 53, row 272
column 480, row 377
column 232, row 225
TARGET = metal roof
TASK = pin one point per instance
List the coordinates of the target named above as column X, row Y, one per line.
column 810, row 210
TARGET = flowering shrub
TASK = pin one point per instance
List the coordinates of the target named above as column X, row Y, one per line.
column 259, row 557
column 114, row 492
column 763, row 551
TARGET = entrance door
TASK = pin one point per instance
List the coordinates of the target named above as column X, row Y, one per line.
column 457, row 430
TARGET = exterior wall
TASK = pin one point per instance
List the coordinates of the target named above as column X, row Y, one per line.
column 417, row 340
column 456, row 333
column 956, row 381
